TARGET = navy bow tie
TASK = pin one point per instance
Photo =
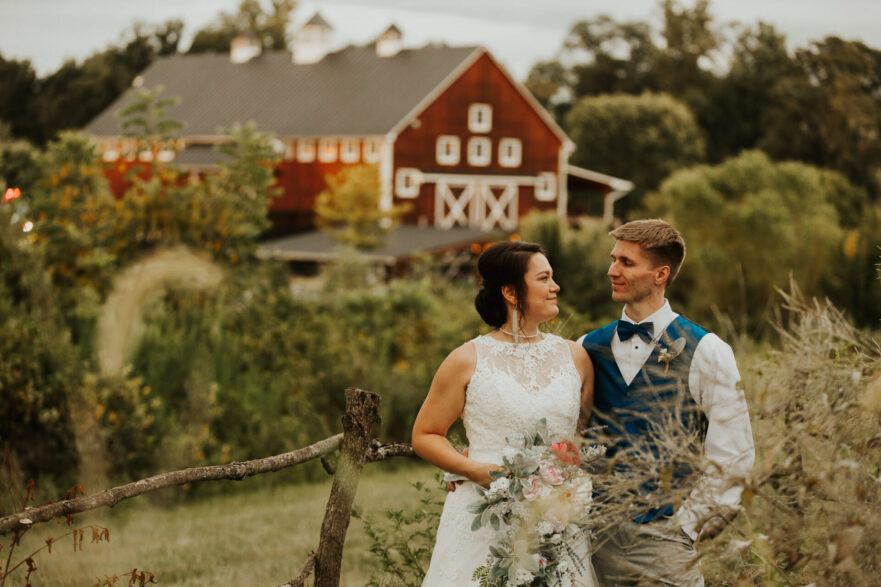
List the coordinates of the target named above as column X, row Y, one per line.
column 644, row 330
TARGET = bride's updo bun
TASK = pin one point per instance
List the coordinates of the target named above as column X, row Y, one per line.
column 499, row 265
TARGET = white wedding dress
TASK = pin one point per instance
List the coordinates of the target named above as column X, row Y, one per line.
column 513, row 387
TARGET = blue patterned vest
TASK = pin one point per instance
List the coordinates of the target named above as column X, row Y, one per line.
column 659, row 391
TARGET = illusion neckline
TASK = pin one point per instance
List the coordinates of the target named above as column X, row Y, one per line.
column 546, row 336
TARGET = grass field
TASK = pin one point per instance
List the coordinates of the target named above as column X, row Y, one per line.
column 251, row 536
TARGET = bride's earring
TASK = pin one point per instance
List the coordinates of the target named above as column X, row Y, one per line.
column 514, row 325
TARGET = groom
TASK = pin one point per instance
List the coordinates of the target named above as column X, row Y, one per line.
column 640, row 361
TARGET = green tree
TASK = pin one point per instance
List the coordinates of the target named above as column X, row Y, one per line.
column 829, row 112
column 349, row 208
column 751, row 224
column 18, row 92
column 75, row 94
column 614, row 57
column 690, row 39
column 37, row 109
column 641, row 138
column 267, row 27
column 549, row 81
column 734, row 114
column 144, row 119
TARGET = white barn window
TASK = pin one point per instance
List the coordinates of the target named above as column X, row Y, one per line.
column 306, row 150
column 479, row 151
column 349, row 151
column 110, row 150
column 327, row 150
column 510, row 152
column 546, row 187
column 372, row 151
column 480, row 118
column 408, row 180
column 448, row 148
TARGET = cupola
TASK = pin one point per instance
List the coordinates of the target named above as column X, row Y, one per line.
column 312, row 42
column 389, row 42
column 244, row 48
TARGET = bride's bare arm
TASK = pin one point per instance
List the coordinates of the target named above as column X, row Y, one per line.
column 442, row 406
column 585, row 370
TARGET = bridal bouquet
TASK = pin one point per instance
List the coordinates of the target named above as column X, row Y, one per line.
column 538, row 507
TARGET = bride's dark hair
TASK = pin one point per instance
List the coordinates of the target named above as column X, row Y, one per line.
column 499, row 265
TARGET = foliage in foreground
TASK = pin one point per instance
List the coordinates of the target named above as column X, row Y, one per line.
column 811, row 512
column 401, row 540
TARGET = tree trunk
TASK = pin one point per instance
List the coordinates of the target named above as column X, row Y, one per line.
column 362, row 413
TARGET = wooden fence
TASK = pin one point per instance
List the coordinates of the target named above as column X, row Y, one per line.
column 356, row 449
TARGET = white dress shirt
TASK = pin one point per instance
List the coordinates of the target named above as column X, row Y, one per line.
column 712, row 381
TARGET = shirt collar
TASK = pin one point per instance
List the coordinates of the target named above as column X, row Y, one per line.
column 660, row 319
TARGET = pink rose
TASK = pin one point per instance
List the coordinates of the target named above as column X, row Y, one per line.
column 533, row 488
column 550, row 473
column 567, row 452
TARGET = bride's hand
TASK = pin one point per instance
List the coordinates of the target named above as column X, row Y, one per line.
column 480, row 473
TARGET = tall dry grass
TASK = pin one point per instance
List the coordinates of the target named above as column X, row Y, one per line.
column 812, row 511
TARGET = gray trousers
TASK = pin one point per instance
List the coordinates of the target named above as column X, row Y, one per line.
column 654, row 553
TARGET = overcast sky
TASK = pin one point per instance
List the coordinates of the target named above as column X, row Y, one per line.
column 518, row 32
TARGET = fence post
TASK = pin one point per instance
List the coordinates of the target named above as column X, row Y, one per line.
column 362, row 413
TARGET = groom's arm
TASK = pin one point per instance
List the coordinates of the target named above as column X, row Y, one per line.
column 728, row 448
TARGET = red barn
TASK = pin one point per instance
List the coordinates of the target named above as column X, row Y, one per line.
column 449, row 129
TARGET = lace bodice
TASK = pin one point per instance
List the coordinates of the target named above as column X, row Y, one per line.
column 512, row 388
column 515, row 386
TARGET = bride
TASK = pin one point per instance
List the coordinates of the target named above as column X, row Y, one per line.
column 500, row 384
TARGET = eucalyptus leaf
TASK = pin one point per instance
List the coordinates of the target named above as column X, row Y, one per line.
column 477, row 507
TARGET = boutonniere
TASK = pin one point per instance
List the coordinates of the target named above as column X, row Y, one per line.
column 667, row 354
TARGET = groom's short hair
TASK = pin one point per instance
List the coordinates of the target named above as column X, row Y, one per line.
column 661, row 242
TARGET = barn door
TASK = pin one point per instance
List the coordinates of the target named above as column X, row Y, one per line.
column 478, row 203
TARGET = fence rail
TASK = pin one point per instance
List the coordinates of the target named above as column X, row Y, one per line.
column 356, row 449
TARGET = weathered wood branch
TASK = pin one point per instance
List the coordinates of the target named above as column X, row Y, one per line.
column 300, row 579
column 362, row 413
column 110, row 497
column 380, row 452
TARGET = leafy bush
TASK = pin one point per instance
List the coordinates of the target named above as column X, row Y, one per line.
column 401, row 542
column 749, row 223
column 279, row 365
column 39, row 371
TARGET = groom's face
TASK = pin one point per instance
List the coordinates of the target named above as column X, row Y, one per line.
column 632, row 273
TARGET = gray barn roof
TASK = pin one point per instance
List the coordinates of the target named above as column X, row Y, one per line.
column 350, row 92
column 402, row 242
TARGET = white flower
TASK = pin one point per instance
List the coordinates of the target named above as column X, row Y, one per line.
column 500, row 485
column 545, row 528
column 593, row 451
column 509, row 452
column 523, row 577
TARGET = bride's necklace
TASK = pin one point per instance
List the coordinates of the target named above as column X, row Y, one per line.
column 537, row 333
